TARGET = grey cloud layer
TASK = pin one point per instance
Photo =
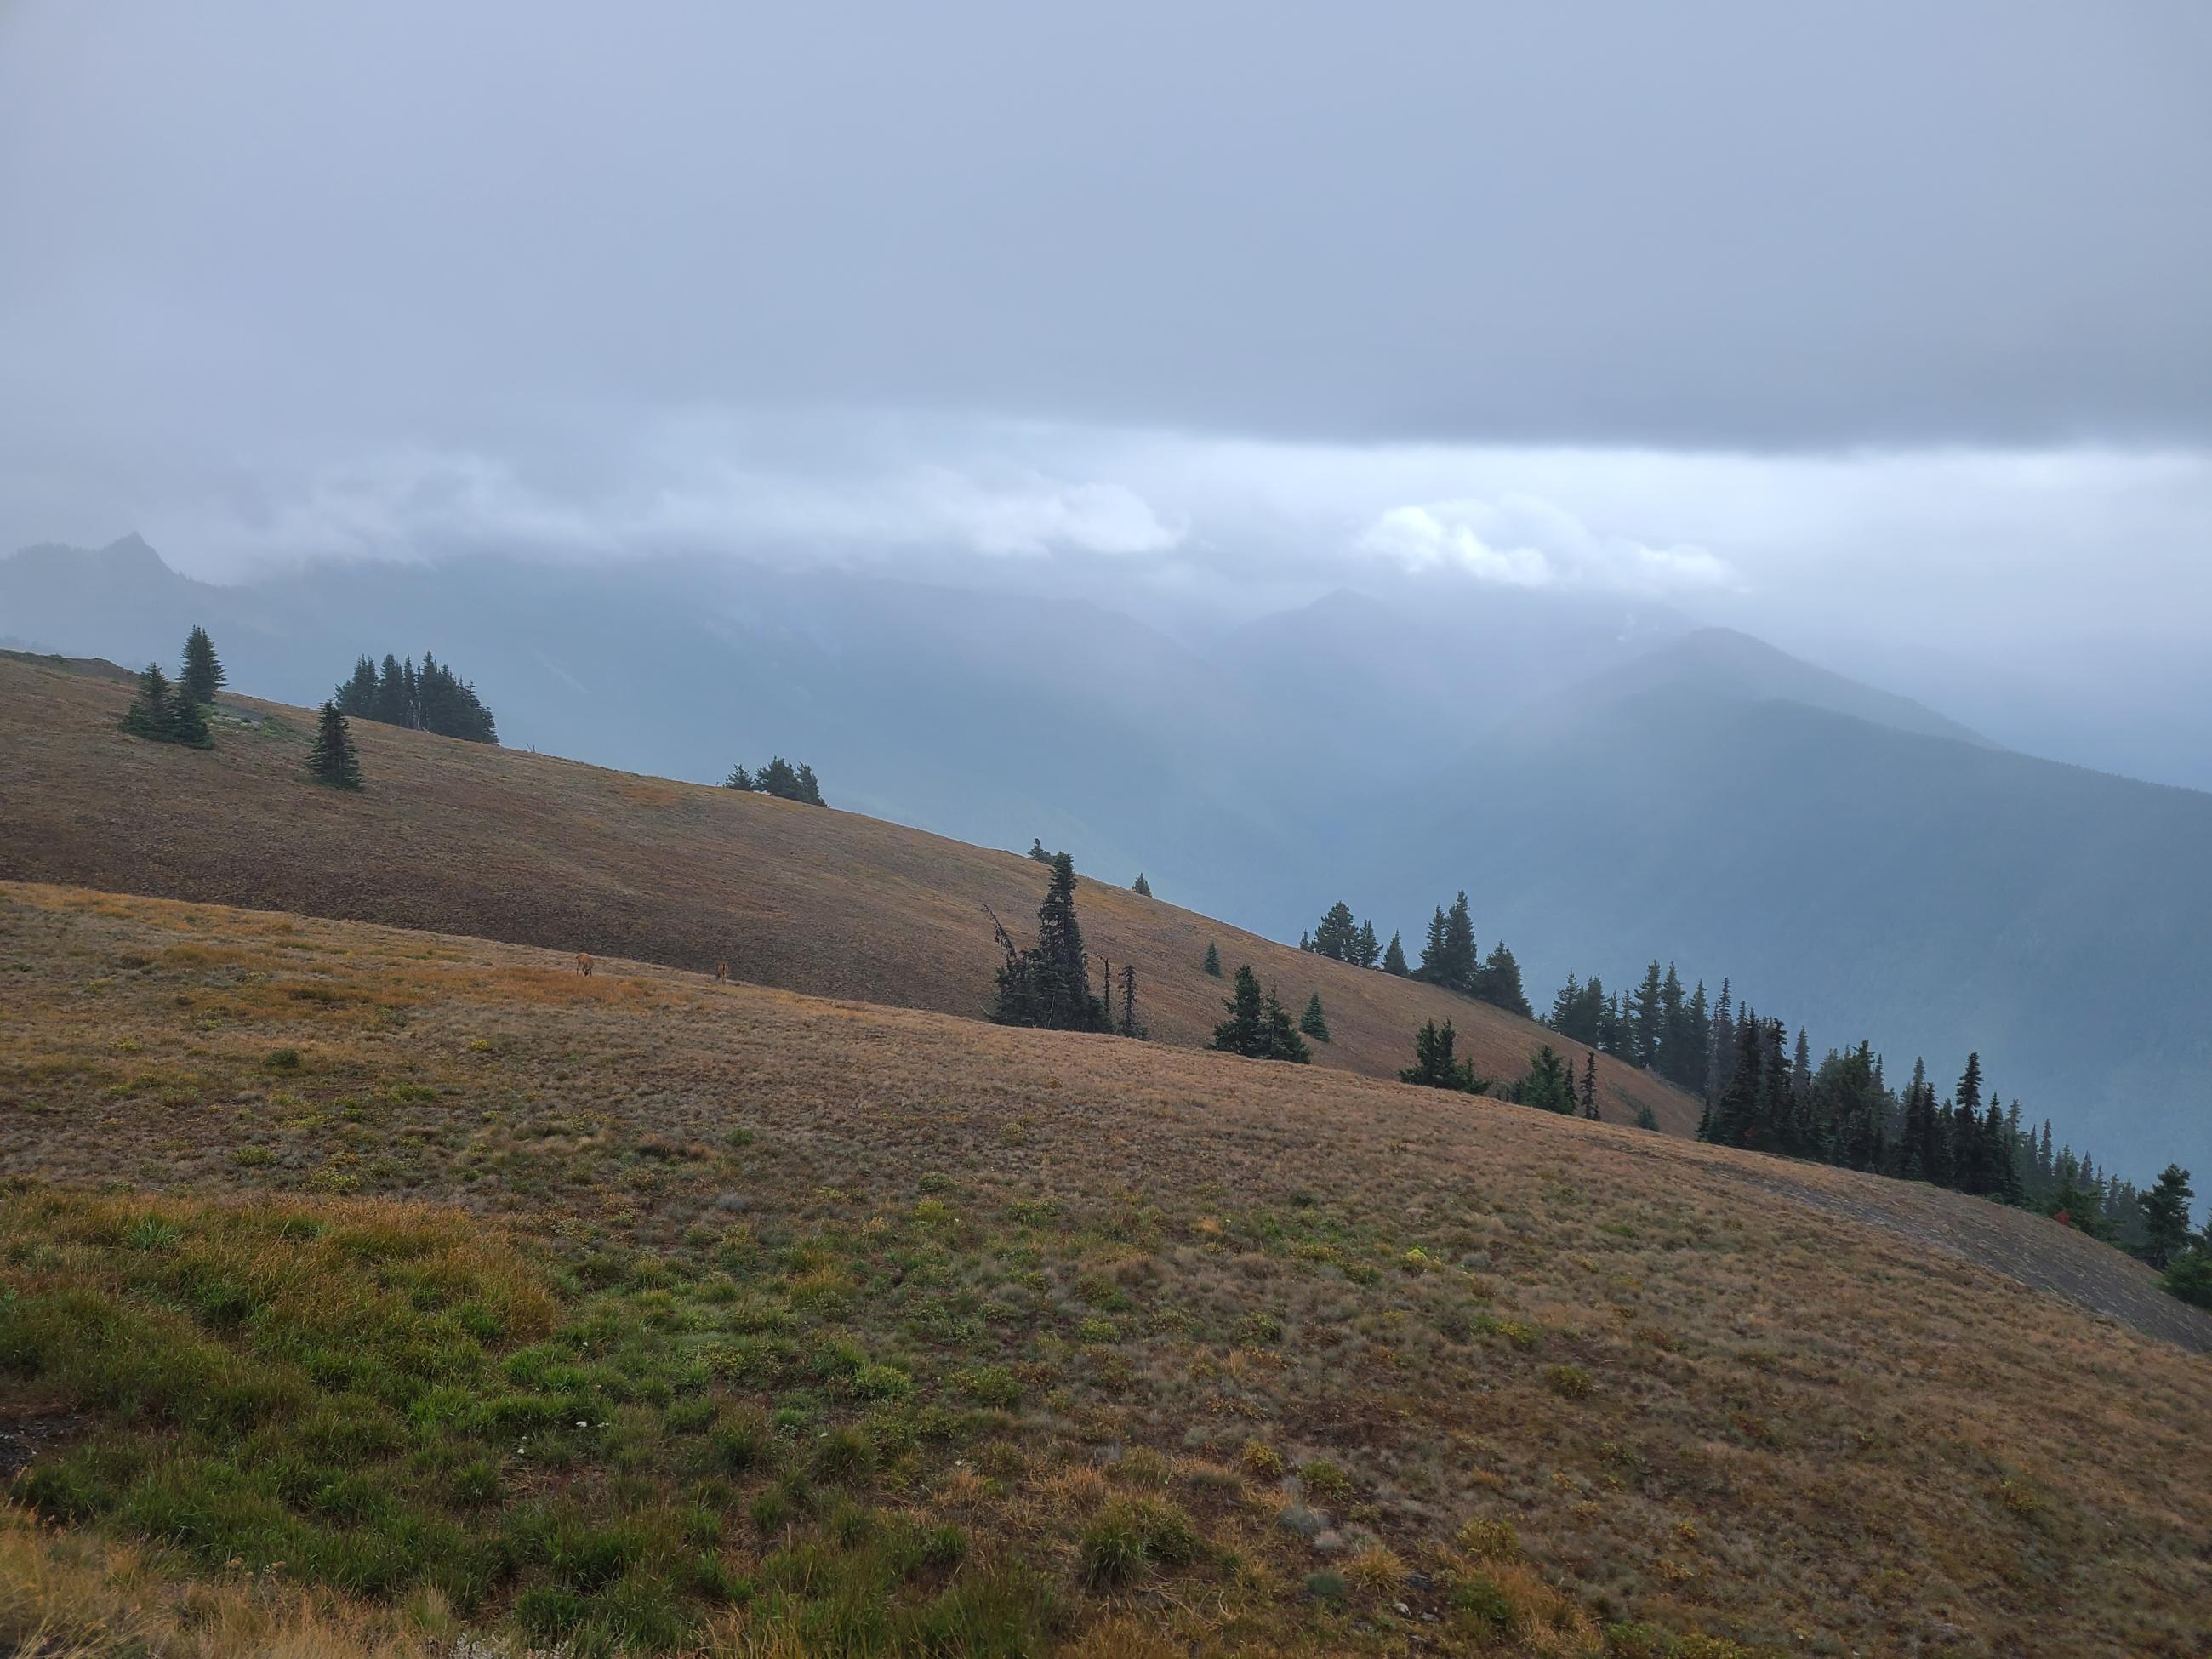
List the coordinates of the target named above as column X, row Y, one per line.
column 1740, row 226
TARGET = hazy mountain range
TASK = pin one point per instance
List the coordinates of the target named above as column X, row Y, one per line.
column 1608, row 782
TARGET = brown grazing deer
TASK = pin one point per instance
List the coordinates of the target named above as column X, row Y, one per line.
column 584, row 963
column 721, row 973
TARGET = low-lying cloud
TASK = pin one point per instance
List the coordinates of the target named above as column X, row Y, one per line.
column 1525, row 542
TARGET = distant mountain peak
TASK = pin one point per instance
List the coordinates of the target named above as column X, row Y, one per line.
column 1726, row 663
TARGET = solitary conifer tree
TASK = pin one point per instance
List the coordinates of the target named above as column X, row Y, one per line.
column 1244, row 1032
column 1313, row 1023
column 1368, row 950
column 1550, row 1085
column 1050, row 984
column 1394, row 958
column 2165, row 1217
column 1590, row 1086
column 1131, row 1026
column 1213, row 962
column 333, row 760
column 1646, row 1118
column 149, row 714
column 1284, row 1041
column 1142, row 887
column 203, row 674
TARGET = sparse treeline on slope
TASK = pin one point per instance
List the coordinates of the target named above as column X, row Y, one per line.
column 1450, row 957
column 431, row 698
column 780, row 779
column 1048, row 985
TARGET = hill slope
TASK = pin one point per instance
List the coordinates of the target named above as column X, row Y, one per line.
column 1155, row 1333
column 1934, row 896
column 505, row 845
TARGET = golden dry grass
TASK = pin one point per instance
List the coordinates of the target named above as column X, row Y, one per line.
column 461, row 838
column 1565, row 1385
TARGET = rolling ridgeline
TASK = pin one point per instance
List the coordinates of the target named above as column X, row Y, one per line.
column 1754, row 1094
column 836, row 1327
column 1613, row 786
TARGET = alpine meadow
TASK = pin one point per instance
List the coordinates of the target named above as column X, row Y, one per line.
column 981, row 833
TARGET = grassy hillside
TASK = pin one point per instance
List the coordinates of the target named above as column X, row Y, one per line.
column 651, row 1310
column 512, row 845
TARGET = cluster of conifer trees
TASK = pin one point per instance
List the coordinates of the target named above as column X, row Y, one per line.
column 1549, row 1085
column 779, row 778
column 1450, row 955
column 163, row 712
column 1259, row 1027
column 1048, row 985
column 1654, row 1026
column 431, row 698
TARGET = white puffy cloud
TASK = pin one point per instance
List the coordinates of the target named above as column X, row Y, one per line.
column 1525, row 541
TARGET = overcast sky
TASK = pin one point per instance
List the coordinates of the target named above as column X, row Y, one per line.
column 1878, row 328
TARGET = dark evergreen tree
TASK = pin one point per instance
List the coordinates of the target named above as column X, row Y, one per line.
column 2164, row 1210
column 1313, row 1023
column 1337, row 938
column 780, row 779
column 1214, row 960
column 395, row 694
column 1368, row 950
column 1694, row 1054
column 1588, row 1099
column 1131, row 1026
column 739, row 778
column 1645, row 1016
column 1433, row 1067
column 1245, row 1031
column 334, row 761
column 1550, row 1083
column 1037, row 850
column 1050, row 984
column 1646, row 1118
column 1500, row 982
column 1566, row 1005
column 1738, row 1117
column 1435, row 952
column 1673, row 1027
column 187, row 721
column 1394, row 958
column 357, row 698
column 1284, row 1041
column 148, row 716
column 202, row 676
column 1461, row 967
column 1140, row 887
column 1969, row 1170
column 1258, row 1026
column 1720, row 1045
